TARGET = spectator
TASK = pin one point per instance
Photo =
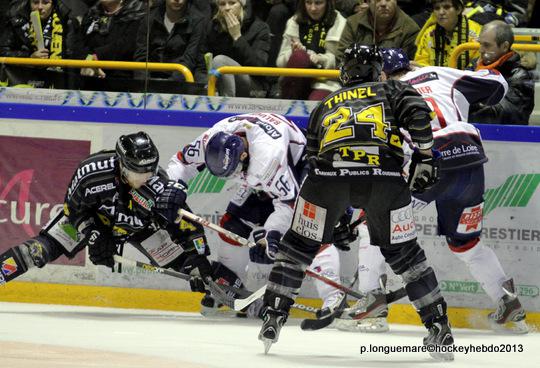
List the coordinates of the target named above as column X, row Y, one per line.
column 236, row 38
column 443, row 32
column 516, row 107
column 275, row 13
column 310, row 41
column 110, row 32
column 393, row 28
column 60, row 31
column 513, row 12
column 176, row 35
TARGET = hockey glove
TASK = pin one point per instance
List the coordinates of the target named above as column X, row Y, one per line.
column 344, row 233
column 101, row 245
column 200, row 263
column 170, row 201
column 424, row 171
column 267, row 246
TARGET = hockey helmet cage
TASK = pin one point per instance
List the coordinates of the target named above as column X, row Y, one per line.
column 222, row 153
column 394, row 60
column 360, row 64
column 137, row 153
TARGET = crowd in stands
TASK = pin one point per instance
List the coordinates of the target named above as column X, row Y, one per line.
column 206, row 34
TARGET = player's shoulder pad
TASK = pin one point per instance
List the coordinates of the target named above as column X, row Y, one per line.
column 98, row 168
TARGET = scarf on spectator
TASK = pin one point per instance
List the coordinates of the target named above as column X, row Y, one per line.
column 52, row 36
column 497, row 63
column 313, row 35
column 441, row 40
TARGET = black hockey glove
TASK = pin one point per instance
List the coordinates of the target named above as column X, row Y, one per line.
column 424, row 171
column 101, row 245
column 344, row 233
column 198, row 262
column 267, row 246
column 170, row 201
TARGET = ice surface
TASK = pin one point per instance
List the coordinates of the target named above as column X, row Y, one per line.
column 33, row 335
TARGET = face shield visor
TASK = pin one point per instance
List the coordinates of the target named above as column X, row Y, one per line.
column 135, row 179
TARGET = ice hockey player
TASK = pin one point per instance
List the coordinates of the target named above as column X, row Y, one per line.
column 355, row 151
column 114, row 197
column 263, row 152
column 459, row 193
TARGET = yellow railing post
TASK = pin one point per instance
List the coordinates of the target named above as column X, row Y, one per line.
column 452, row 62
column 123, row 65
column 270, row 72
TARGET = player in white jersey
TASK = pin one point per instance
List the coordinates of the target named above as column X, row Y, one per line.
column 458, row 195
column 263, row 152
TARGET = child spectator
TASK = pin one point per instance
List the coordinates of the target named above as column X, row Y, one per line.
column 310, row 41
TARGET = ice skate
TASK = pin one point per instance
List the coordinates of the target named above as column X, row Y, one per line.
column 368, row 314
column 510, row 315
column 273, row 320
column 439, row 335
column 333, row 303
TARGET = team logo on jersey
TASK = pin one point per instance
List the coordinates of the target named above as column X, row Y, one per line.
column 359, row 155
column 423, row 78
column 471, row 219
column 269, row 129
column 99, row 189
column 402, row 225
column 9, row 266
column 145, row 203
column 309, row 220
column 199, row 244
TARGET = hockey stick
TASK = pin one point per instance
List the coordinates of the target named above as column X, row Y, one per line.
column 318, row 323
column 172, row 273
column 219, row 229
column 164, row 271
column 244, row 241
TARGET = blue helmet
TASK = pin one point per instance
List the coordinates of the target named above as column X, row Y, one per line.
column 360, row 64
column 222, row 154
column 394, row 60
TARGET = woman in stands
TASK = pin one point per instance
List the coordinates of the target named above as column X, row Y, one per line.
column 236, row 38
column 310, row 41
column 445, row 29
column 59, row 31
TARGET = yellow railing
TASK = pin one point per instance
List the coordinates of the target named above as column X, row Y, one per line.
column 452, row 62
column 526, row 38
column 123, row 65
column 270, row 72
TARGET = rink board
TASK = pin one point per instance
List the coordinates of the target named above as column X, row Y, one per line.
column 94, row 120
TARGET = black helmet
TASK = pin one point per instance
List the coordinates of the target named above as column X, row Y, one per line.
column 137, row 153
column 360, row 64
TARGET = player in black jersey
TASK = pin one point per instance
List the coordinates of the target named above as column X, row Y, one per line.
column 355, row 150
column 114, row 197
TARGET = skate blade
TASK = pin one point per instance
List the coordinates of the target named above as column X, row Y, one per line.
column 442, row 357
column 369, row 325
column 267, row 345
column 512, row 327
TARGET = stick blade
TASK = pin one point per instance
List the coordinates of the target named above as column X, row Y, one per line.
column 240, row 304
